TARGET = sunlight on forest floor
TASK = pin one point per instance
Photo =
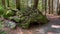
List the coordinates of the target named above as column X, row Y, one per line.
column 55, row 26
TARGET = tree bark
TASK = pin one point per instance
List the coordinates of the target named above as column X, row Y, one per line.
column 49, row 5
column 35, row 4
column 52, row 6
column 3, row 3
column 8, row 3
column 57, row 5
column 45, row 6
column 18, row 4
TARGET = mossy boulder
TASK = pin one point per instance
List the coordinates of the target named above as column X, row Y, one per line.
column 26, row 16
column 30, row 15
column 10, row 24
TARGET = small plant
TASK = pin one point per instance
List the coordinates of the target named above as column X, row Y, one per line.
column 8, row 14
column 1, row 10
column 1, row 24
column 2, row 32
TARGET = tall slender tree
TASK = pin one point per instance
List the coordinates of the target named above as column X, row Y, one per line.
column 45, row 6
column 3, row 3
column 18, row 4
column 8, row 3
column 35, row 4
column 49, row 5
column 42, row 5
column 57, row 5
column 52, row 6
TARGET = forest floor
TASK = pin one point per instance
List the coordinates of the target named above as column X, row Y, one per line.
column 53, row 27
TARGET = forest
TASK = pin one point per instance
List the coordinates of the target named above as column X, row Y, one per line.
column 29, row 16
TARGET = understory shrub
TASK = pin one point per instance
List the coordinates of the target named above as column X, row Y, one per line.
column 1, row 24
column 1, row 10
column 24, row 17
column 30, row 15
column 8, row 14
column 2, row 32
column 5, row 13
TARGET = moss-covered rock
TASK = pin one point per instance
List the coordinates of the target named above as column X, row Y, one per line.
column 26, row 16
column 10, row 24
column 29, row 16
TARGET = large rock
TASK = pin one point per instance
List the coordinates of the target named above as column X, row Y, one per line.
column 10, row 24
column 30, row 15
column 26, row 16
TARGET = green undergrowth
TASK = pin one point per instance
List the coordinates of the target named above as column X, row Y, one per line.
column 24, row 17
column 1, row 24
column 2, row 32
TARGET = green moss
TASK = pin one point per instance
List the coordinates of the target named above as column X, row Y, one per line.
column 26, row 24
column 1, row 24
column 25, row 16
column 31, row 16
column 8, row 14
column 17, row 19
column 5, row 13
column 42, row 19
column 1, row 10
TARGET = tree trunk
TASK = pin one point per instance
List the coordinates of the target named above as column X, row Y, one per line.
column 35, row 4
column 49, row 6
column 18, row 4
column 8, row 3
column 57, row 6
column 3, row 3
column 52, row 6
column 45, row 6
